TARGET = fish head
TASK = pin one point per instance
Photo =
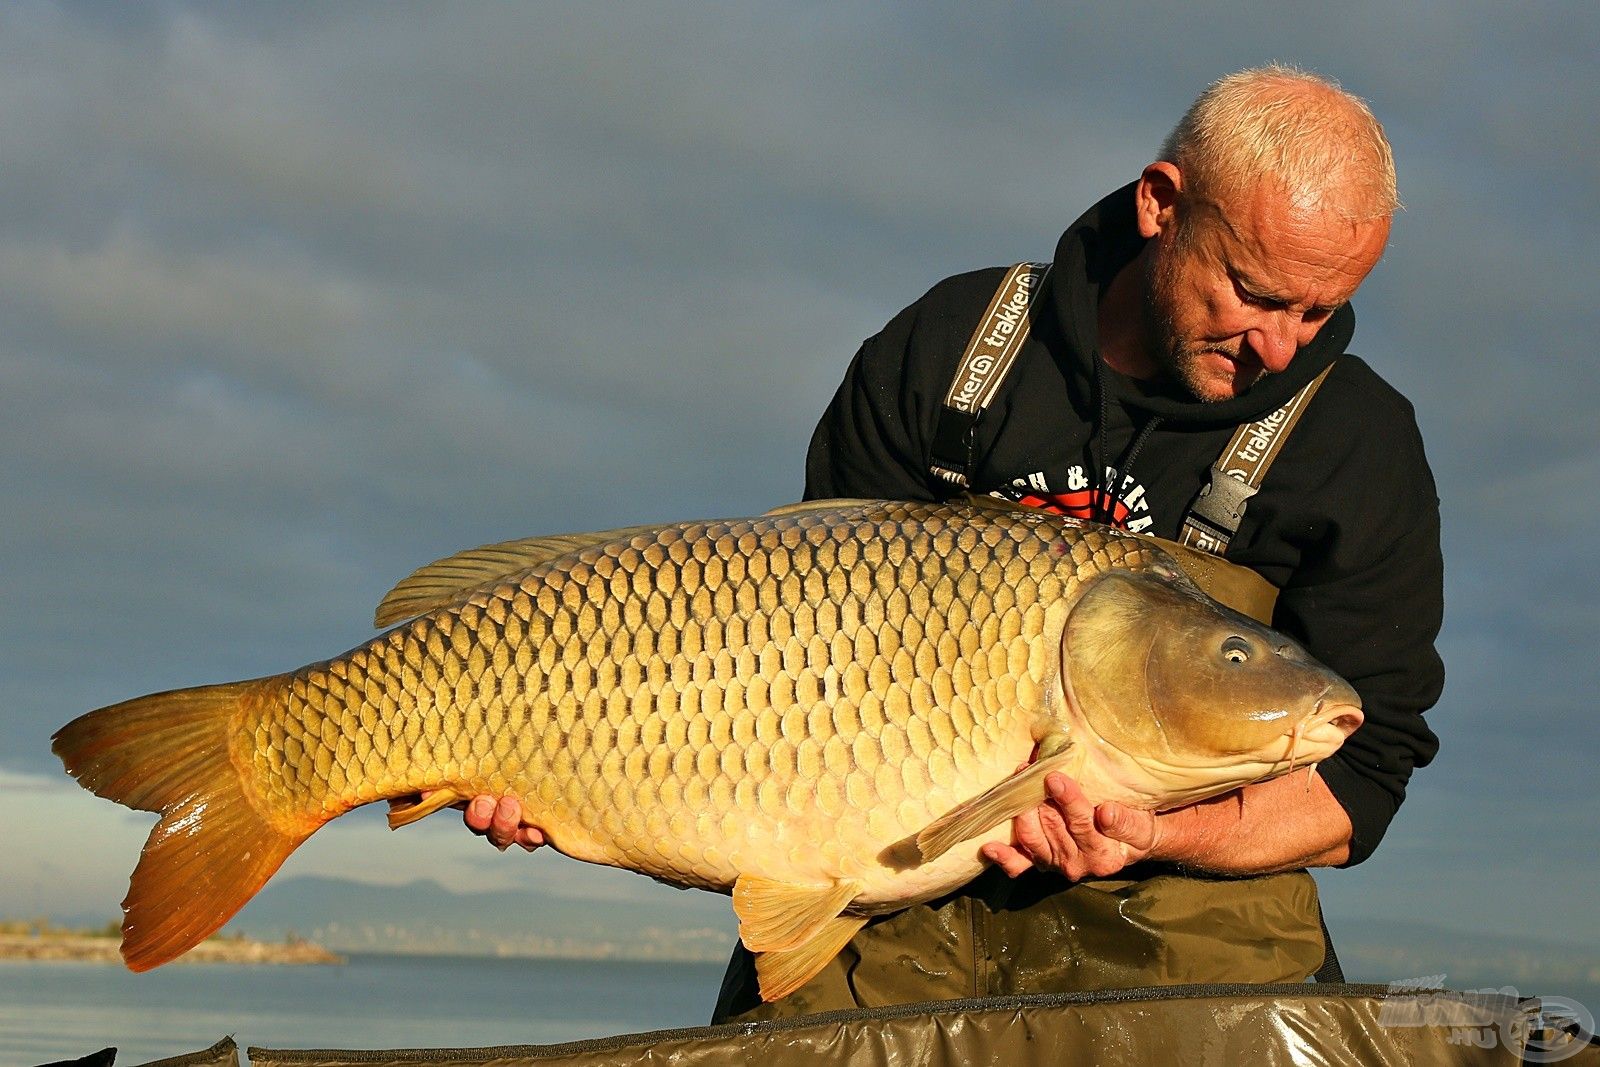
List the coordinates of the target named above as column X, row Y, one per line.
column 1180, row 698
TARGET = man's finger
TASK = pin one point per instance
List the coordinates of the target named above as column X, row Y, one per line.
column 505, row 822
column 1131, row 826
column 1076, row 808
column 1008, row 859
column 480, row 813
column 1031, row 835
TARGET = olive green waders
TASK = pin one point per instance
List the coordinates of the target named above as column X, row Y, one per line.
column 1040, row 934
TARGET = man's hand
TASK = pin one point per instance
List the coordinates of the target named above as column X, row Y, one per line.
column 1070, row 834
column 498, row 820
column 501, row 822
column 1279, row 825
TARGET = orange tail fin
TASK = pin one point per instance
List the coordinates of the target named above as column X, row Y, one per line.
column 212, row 850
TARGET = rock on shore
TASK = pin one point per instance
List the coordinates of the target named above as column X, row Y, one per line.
column 89, row 949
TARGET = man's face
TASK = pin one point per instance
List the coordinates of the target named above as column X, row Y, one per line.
column 1249, row 284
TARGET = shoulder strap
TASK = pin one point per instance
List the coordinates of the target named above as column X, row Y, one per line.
column 1236, row 476
column 988, row 359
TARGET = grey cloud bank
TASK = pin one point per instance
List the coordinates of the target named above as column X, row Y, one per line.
column 293, row 300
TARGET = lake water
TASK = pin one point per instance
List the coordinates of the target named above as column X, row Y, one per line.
column 51, row 1011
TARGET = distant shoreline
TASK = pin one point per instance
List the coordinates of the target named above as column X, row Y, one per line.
column 88, row 948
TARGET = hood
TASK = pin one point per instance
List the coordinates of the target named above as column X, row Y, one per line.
column 1091, row 252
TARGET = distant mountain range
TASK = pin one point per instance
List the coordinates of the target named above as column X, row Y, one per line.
column 424, row 916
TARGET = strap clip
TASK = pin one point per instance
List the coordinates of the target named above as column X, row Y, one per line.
column 1221, row 504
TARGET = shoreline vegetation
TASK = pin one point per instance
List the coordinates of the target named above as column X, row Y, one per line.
column 38, row 939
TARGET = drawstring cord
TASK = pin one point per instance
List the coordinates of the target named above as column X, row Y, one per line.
column 1099, row 507
column 1125, row 467
column 1108, row 480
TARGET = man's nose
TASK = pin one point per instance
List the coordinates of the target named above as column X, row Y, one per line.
column 1276, row 339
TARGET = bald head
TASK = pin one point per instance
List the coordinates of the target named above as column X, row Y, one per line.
column 1282, row 131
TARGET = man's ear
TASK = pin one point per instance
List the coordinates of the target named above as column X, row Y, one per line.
column 1155, row 198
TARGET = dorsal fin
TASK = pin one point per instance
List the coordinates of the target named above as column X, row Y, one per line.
column 447, row 580
column 807, row 506
column 984, row 501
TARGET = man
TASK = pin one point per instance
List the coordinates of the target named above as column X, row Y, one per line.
column 1203, row 297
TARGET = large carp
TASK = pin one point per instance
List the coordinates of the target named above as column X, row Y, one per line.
column 822, row 710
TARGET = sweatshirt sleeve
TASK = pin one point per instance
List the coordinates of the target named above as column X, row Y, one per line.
column 1370, row 606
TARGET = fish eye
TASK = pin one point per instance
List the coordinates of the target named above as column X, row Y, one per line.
column 1236, row 650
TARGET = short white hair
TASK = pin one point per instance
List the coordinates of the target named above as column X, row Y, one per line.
column 1318, row 143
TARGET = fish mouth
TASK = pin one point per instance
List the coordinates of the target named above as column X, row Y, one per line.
column 1346, row 718
column 1338, row 708
column 1324, row 730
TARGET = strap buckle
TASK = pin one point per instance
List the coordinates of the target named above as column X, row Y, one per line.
column 1221, row 504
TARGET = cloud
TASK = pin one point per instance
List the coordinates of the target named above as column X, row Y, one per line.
column 134, row 293
column 297, row 299
column 79, row 851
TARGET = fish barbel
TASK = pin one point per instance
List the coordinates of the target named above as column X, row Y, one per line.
column 821, row 710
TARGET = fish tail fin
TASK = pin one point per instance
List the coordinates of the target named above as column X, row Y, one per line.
column 213, row 849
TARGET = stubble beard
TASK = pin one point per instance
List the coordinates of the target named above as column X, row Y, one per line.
column 1178, row 359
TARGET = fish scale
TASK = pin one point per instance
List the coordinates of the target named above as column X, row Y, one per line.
column 810, row 709
column 773, row 677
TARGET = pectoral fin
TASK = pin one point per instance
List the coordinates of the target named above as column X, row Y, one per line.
column 403, row 814
column 774, row 916
column 1006, row 800
column 781, row 973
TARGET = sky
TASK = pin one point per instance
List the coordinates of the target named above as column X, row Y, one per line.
column 296, row 298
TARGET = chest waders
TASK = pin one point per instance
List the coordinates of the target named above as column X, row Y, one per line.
column 1039, row 933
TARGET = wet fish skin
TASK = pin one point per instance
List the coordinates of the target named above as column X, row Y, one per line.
column 643, row 696
column 763, row 705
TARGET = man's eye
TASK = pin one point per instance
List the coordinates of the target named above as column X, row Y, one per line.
column 1253, row 299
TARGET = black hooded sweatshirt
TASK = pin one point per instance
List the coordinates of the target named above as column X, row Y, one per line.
column 1346, row 523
